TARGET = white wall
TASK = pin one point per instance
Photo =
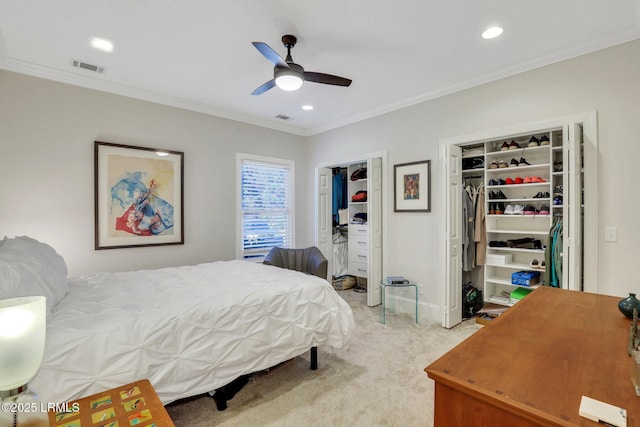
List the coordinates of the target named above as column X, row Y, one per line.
column 606, row 81
column 47, row 131
column 47, row 134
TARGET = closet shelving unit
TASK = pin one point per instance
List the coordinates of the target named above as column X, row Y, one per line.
column 502, row 227
column 358, row 249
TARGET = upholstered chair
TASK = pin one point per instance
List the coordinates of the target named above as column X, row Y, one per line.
column 308, row 260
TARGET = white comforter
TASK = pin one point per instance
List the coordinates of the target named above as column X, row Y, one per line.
column 188, row 330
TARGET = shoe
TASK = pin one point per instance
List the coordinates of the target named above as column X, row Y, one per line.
column 557, row 166
column 544, row 140
column 542, row 195
column 537, row 179
column 492, row 209
column 503, row 164
column 514, row 162
column 513, row 146
column 542, row 265
column 499, row 208
column 501, row 181
column 527, row 180
column 557, row 191
column 534, row 263
column 505, row 146
column 534, row 142
column 523, row 162
column 544, row 210
column 501, row 195
column 530, row 210
column 557, row 201
column 518, row 180
column 493, row 165
column 508, row 210
column 493, row 182
column 509, row 181
column 518, row 210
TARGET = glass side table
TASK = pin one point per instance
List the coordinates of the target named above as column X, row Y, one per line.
column 384, row 285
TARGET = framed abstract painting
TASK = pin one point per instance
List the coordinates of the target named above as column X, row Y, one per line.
column 138, row 196
column 412, row 187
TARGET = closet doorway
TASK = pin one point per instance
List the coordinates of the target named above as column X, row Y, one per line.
column 349, row 220
column 565, row 192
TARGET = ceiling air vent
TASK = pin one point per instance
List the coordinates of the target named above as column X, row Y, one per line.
column 283, row 117
column 85, row 66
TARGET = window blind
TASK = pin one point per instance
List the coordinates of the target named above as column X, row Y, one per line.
column 266, row 207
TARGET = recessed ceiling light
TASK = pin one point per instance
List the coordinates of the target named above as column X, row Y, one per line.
column 307, row 107
column 492, row 32
column 101, row 44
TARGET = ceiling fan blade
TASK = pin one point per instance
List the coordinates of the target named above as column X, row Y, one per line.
column 264, row 87
column 270, row 54
column 327, row 79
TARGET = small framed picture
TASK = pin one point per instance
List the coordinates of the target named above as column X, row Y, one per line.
column 412, row 187
column 138, row 196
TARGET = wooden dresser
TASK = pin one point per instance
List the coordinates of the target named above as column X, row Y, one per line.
column 532, row 365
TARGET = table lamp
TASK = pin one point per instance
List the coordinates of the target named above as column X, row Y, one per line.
column 22, row 335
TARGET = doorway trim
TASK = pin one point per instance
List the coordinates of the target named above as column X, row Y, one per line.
column 385, row 190
column 589, row 121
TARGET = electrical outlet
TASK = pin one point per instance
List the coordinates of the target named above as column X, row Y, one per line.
column 420, row 288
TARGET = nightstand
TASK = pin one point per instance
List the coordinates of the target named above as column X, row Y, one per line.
column 128, row 405
column 384, row 285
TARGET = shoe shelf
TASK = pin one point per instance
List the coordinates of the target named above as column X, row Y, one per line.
column 516, row 250
column 503, row 280
column 496, row 299
column 514, row 186
column 543, row 167
column 517, row 266
column 524, row 199
column 518, row 151
column 519, row 231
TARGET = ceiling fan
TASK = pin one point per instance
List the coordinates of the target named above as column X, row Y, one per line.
column 288, row 75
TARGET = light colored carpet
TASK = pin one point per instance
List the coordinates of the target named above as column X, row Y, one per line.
column 377, row 380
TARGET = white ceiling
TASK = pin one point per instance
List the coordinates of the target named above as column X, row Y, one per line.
column 197, row 54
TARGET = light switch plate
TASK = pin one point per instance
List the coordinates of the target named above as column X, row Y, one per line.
column 611, row 234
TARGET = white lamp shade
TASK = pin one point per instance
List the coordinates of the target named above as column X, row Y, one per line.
column 23, row 324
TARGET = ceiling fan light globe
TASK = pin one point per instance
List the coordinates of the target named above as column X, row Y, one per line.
column 288, row 82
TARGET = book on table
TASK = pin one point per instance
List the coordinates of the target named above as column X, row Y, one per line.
column 397, row 280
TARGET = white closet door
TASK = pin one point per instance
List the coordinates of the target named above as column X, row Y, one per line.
column 324, row 184
column 374, row 220
column 453, row 238
column 572, row 220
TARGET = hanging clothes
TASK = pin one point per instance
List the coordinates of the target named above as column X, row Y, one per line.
column 480, row 227
column 339, row 191
column 468, row 233
column 553, row 255
column 340, row 254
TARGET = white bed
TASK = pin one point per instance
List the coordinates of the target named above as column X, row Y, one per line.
column 188, row 329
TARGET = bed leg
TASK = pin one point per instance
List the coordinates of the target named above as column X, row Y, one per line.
column 314, row 358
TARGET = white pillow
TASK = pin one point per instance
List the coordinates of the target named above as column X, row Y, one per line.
column 29, row 267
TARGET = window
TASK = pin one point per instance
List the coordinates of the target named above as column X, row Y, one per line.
column 265, row 189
